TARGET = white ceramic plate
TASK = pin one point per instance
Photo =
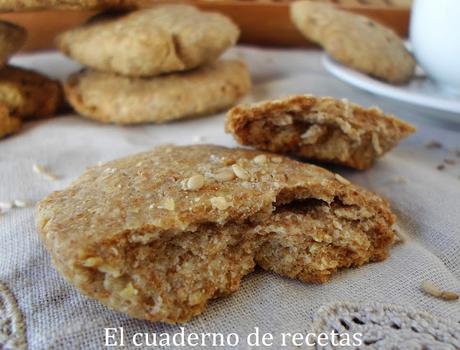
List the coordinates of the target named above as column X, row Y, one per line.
column 420, row 91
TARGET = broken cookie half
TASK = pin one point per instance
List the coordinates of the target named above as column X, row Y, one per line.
column 158, row 234
column 319, row 128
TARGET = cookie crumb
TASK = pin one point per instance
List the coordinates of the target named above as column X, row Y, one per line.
column 220, row 203
column 441, row 167
column 5, row 206
column 433, row 144
column 195, row 182
column 20, row 203
column 429, row 288
column 240, row 172
column 38, row 169
column 450, row 161
column 400, row 236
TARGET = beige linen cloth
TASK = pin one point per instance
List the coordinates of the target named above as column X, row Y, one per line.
column 40, row 310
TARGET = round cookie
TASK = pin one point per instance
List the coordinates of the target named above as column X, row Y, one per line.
column 111, row 98
column 370, row 3
column 29, row 5
column 355, row 40
column 158, row 234
column 12, row 38
column 28, row 94
column 150, row 42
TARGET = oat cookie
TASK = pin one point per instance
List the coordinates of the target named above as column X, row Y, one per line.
column 112, row 98
column 149, row 42
column 355, row 40
column 370, row 3
column 319, row 128
column 158, row 234
column 28, row 5
column 8, row 124
column 29, row 94
column 12, row 38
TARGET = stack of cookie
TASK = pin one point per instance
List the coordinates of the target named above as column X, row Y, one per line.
column 24, row 94
column 153, row 65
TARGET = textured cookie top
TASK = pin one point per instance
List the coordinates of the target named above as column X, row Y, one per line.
column 172, row 189
column 352, row 119
column 320, row 128
column 152, row 41
column 12, row 38
column 355, row 40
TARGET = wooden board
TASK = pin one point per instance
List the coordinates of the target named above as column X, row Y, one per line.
column 261, row 23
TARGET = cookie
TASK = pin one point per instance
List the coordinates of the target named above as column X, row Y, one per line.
column 149, row 42
column 12, row 38
column 29, row 94
column 29, row 5
column 370, row 3
column 113, row 98
column 320, row 128
column 158, row 234
column 355, row 40
column 8, row 124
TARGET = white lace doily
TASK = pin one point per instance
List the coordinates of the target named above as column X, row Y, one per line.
column 386, row 326
column 12, row 328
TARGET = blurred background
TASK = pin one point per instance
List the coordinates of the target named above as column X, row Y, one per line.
column 262, row 22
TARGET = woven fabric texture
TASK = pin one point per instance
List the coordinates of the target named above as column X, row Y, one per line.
column 51, row 314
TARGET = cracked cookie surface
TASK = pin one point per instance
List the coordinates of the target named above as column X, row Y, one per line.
column 158, row 234
column 319, row 128
column 150, row 42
